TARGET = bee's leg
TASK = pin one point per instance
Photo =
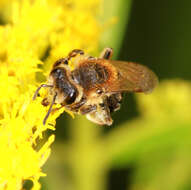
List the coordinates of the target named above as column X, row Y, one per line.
column 74, row 53
column 38, row 89
column 114, row 102
column 76, row 106
column 87, row 109
column 50, row 109
column 65, row 60
column 91, row 58
column 56, row 109
column 60, row 61
column 105, row 107
column 106, row 53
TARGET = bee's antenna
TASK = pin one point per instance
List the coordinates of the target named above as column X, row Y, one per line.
column 50, row 109
column 37, row 90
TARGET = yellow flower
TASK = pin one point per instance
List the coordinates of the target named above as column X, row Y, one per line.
column 36, row 33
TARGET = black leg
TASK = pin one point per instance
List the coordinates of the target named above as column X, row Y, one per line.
column 106, row 53
column 105, row 107
column 60, row 61
column 87, row 109
column 114, row 102
column 74, row 53
column 50, row 109
column 65, row 60
column 38, row 89
column 76, row 106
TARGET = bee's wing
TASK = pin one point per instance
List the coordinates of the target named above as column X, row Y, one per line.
column 132, row 77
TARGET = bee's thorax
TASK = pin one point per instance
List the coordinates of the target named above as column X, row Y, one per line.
column 89, row 75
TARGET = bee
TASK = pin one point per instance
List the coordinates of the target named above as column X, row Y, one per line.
column 94, row 87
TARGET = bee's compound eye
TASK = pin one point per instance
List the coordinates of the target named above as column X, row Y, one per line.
column 71, row 97
column 58, row 73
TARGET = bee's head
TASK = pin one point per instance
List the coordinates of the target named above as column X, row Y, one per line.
column 66, row 90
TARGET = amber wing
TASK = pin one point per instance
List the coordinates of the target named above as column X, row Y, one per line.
column 132, row 77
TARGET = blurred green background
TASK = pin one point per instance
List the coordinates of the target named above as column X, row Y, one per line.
column 149, row 145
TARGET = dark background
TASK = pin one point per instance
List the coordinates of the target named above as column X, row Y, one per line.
column 158, row 35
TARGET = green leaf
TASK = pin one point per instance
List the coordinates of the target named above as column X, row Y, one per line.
column 114, row 15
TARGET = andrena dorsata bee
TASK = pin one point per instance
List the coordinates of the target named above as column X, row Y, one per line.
column 94, row 87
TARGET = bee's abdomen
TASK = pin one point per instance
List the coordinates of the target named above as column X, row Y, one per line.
column 63, row 85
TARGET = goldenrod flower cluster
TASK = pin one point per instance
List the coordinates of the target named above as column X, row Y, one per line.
column 170, row 101
column 33, row 35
